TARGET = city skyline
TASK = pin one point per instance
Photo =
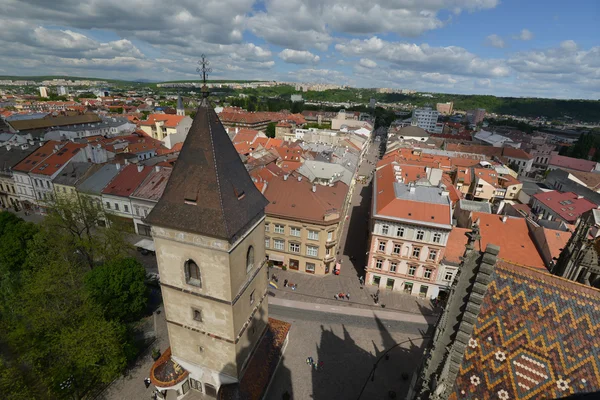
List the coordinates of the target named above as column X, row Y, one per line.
column 458, row 46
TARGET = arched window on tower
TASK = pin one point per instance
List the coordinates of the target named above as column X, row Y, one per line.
column 192, row 273
column 250, row 259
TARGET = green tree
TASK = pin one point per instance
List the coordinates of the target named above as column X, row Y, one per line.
column 270, row 131
column 119, row 288
column 75, row 219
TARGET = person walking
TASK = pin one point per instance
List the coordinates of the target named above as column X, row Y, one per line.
column 347, row 296
column 361, row 280
column 147, row 382
column 335, row 296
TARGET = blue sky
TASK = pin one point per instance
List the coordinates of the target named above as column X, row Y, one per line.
column 509, row 48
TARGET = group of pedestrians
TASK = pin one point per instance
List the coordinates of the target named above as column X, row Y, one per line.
column 341, row 296
column 316, row 365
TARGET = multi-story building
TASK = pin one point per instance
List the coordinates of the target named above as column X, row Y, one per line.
column 147, row 195
column 43, row 91
column 427, row 118
column 490, row 185
column 555, row 205
column 65, row 183
column 169, row 129
column 208, row 230
column 9, row 157
column 476, row 116
column 115, row 196
column 302, row 224
column 410, row 229
column 91, row 187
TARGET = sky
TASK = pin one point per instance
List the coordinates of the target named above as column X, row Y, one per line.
column 537, row 48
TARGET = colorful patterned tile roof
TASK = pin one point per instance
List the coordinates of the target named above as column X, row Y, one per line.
column 536, row 337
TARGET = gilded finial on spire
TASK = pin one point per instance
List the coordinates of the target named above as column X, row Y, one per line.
column 204, row 69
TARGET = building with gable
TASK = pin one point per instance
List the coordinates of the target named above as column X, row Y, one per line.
column 168, row 128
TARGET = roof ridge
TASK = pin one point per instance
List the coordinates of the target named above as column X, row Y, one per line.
column 212, row 145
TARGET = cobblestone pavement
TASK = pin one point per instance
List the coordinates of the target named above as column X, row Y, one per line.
column 321, row 290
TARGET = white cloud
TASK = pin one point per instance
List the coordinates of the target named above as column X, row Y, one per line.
column 367, row 63
column 298, row 57
column 495, row 41
column 525, row 34
column 451, row 59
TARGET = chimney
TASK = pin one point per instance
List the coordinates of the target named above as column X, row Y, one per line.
column 285, row 177
column 118, row 166
column 300, row 178
column 8, row 147
column 140, row 168
column 156, row 168
column 504, row 218
column 314, row 188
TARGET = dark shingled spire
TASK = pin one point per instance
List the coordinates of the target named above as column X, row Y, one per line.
column 210, row 192
column 179, row 102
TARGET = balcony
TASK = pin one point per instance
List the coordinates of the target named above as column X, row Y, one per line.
column 329, row 258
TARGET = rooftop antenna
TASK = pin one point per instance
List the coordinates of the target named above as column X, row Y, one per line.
column 203, row 69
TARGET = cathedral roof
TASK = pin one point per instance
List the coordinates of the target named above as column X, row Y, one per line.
column 536, row 336
column 210, row 192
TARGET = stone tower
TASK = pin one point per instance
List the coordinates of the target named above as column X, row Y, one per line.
column 208, row 230
column 180, row 108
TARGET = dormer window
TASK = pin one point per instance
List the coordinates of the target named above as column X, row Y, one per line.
column 192, row 274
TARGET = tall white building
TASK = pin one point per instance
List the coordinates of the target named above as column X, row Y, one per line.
column 44, row 91
column 426, row 118
column 62, row 91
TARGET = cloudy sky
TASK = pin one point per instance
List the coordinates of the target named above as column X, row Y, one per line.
column 546, row 48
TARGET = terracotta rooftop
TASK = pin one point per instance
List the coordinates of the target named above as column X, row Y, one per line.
column 426, row 205
column 536, row 337
column 511, row 235
column 127, row 180
column 568, row 205
column 154, row 185
column 455, row 246
column 245, row 136
column 295, row 199
column 572, row 163
column 37, row 156
column 170, row 120
column 589, row 179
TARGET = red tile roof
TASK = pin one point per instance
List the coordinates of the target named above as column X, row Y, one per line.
column 245, row 136
column 295, row 199
column 512, row 236
column 36, row 157
column 153, row 186
column 170, row 120
column 569, row 206
column 390, row 206
column 58, row 160
column 572, row 163
column 455, row 246
column 127, row 181
column 556, row 240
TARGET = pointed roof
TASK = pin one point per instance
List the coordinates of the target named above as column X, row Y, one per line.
column 179, row 102
column 210, row 192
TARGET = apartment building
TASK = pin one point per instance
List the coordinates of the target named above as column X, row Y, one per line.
column 302, row 223
column 168, row 128
column 145, row 197
column 489, row 185
column 427, row 118
column 9, row 157
column 410, row 229
column 115, row 196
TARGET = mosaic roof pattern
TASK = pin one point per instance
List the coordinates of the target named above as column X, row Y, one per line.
column 536, row 337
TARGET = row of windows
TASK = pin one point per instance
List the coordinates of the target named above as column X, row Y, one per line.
column 40, row 183
column 297, row 232
column 412, row 269
column 294, row 247
column 419, row 234
column 416, row 251
column 117, row 208
column 8, row 188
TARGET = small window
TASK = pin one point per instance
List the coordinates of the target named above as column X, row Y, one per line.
column 432, row 255
column 250, row 259
column 279, row 228
column 117, row 206
column 266, row 227
column 192, row 273
column 313, row 235
column 252, row 297
column 400, row 232
column 416, row 252
column 427, row 273
column 437, row 238
column 381, row 246
column 310, row 267
column 278, row 244
column 294, row 231
column 267, row 243
column 411, row 270
column 126, row 208
column 393, row 266
column 295, row 247
column 312, row 251
column 330, row 236
column 197, row 314
column 378, row 264
column 448, row 276
column 397, row 248
column 385, row 229
column 107, row 205
column 420, row 235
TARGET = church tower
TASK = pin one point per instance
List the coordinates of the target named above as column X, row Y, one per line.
column 180, row 109
column 208, row 231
